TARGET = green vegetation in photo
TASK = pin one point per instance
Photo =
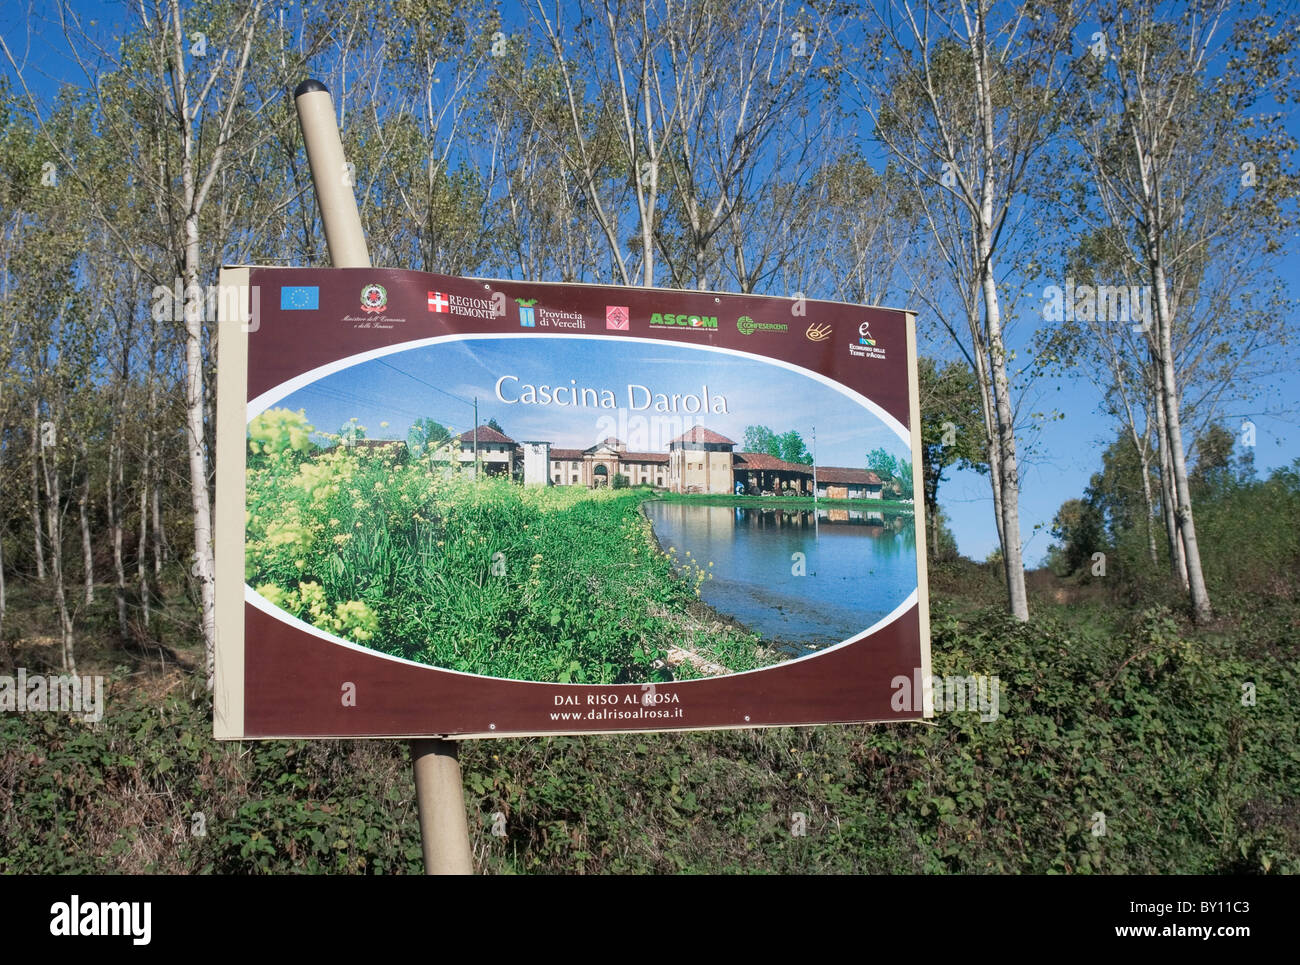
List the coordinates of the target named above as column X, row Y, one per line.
column 415, row 559
column 896, row 473
column 788, row 446
column 1123, row 711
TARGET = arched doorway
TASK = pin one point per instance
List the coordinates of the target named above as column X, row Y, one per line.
column 599, row 476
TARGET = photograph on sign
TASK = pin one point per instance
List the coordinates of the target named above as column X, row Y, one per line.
column 675, row 509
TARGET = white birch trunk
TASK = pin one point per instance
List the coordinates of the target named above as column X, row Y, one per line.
column 38, row 547
column 112, row 496
column 54, row 531
column 1200, row 597
column 1012, row 551
column 87, row 551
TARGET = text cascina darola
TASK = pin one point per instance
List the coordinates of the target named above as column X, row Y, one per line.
column 638, row 397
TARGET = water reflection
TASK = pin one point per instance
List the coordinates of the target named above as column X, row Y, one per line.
column 805, row 579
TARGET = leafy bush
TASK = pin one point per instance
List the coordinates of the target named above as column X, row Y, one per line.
column 1127, row 718
column 276, row 431
column 427, row 564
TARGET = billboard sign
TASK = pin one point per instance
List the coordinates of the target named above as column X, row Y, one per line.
column 451, row 506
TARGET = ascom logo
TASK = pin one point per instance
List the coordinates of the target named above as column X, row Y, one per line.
column 684, row 321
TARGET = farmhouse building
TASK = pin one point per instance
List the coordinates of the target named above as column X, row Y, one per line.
column 836, row 482
column 598, row 465
column 760, row 473
column 697, row 461
column 497, row 453
column 700, row 461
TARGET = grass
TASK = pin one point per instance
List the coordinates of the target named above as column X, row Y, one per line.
column 556, row 584
column 1124, row 712
column 1115, row 709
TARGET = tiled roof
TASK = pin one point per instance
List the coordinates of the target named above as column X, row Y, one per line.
column 701, row 434
column 486, row 434
column 840, row 475
column 578, row 454
column 761, row 460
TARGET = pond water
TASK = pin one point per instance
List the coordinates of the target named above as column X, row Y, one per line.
column 858, row 566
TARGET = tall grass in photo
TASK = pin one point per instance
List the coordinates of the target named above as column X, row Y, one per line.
column 417, row 559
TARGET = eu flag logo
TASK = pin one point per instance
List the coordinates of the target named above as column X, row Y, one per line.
column 299, row 297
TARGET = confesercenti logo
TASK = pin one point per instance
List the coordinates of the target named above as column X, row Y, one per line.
column 374, row 298
column 818, row 333
column 747, row 326
column 701, row 322
column 616, row 318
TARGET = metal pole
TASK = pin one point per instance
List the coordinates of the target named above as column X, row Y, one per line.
column 440, row 797
column 439, row 789
column 331, row 175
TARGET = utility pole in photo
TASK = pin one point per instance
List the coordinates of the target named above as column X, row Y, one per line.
column 814, row 455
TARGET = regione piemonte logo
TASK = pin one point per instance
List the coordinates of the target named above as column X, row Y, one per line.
column 468, row 306
column 616, row 318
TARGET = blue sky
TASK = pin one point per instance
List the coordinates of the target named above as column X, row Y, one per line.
column 1060, row 456
column 1063, row 453
column 440, row 381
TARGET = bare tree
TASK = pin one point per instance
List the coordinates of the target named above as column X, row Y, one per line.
column 965, row 109
column 1191, row 185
